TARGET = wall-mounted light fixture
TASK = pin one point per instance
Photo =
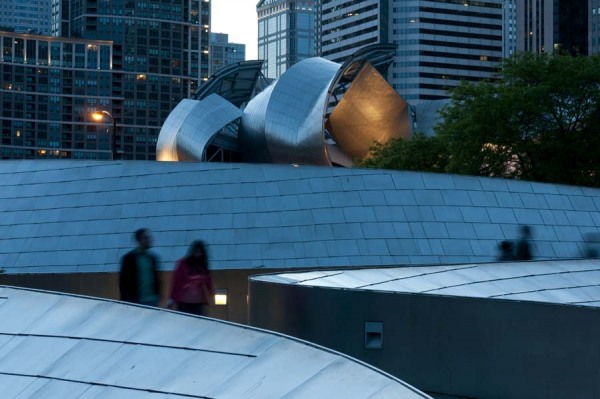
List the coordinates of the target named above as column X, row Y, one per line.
column 221, row 297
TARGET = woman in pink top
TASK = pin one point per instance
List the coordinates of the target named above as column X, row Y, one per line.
column 191, row 285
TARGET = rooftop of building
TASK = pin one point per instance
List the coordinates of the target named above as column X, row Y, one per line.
column 57, row 345
column 67, row 216
column 566, row 282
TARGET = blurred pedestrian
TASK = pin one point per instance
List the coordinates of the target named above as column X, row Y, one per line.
column 523, row 249
column 591, row 245
column 138, row 279
column 506, row 251
column 191, row 284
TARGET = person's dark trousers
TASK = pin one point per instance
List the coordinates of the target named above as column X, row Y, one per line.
column 199, row 309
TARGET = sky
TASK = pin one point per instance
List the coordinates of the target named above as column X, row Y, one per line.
column 238, row 19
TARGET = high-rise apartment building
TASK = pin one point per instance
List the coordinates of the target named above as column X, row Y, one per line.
column 49, row 88
column 161, row 53
column 439, row 42
column 223, row 53
column 286, row 33
column 554, row 25
column 26, row 16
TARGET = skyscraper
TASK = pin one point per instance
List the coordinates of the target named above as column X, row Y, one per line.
column 223, row 52
column 159, row 55
column 161, row 52
column 554, row 25
column 345, row 26
column 26, row 16
column 510, row 28
column 286, row 33
column 49, row 88
column 594, row 26
column 439, row 43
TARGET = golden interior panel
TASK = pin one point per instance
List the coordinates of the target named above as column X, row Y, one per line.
column 370, row 111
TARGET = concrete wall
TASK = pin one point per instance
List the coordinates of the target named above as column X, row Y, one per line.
column 477, row 348
column 106, row 285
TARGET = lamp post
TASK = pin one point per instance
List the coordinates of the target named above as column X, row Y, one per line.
column 98, row 117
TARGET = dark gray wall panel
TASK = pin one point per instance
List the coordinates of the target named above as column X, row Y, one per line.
column 471, row 347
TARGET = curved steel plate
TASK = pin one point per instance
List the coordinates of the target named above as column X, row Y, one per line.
column 555, row 281
column 251, row 135
column 166, row 149
column 196, row 123
column 370, row 111
column 294, row 117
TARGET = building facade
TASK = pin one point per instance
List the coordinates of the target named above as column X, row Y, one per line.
column 510, row 28
column 161, row 53
column 224, row 53
column 26, row 16
column 439, row 43
column 442, row 43
column 286, row 33
column 49, row 87
column 554, row 25
column 594, row 26
column 345, row 26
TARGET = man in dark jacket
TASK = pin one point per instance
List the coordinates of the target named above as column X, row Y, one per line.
column 523, row 250
column 138, row 280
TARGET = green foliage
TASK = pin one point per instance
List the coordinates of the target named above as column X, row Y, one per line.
column 418, row 153
column 540, row 121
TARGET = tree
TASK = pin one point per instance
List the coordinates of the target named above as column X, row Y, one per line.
column 539, row 121
column 419, row 153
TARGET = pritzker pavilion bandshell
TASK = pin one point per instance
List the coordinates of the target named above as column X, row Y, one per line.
column 317, row 113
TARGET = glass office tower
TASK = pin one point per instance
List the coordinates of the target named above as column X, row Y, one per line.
column 345, row 26
column 439, row 43
column 286, row 34
column 555, row 25
column 223, row 52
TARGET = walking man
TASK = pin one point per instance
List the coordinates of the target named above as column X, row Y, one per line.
column 138, row 280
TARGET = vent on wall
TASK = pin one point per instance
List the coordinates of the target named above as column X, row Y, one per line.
column 373, row 335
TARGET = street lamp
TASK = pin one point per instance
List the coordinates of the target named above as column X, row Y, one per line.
column 98, row 116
